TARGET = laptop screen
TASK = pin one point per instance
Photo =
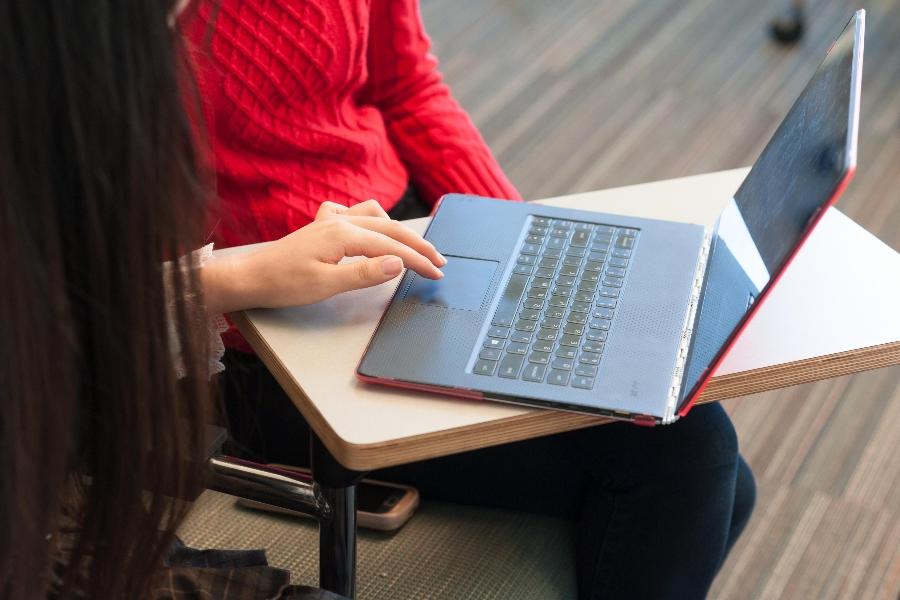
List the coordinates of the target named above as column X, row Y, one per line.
column 796, row 175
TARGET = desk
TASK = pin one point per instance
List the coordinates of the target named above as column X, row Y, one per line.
column 312, row 351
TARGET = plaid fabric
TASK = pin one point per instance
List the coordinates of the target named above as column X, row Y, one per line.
column 191, row 574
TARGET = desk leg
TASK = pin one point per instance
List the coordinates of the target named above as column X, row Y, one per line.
column 337, row 528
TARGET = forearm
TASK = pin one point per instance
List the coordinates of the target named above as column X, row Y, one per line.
column 231, row 283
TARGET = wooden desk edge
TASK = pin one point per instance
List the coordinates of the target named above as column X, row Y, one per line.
column 537, row 423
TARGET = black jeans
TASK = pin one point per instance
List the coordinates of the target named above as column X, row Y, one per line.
column 657, row 508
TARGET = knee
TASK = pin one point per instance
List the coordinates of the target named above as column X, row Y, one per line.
column 708, row 435
column 744, row 495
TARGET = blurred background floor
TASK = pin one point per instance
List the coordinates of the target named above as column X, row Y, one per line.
column 576, row 95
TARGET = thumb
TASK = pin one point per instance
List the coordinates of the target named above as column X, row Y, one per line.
column 367, row 272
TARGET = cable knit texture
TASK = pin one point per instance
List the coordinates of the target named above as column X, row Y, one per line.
column 341, row 100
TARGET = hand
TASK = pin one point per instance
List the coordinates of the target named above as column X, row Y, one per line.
column 303, row 267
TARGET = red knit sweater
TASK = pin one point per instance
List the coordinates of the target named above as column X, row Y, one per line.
column 313, row 100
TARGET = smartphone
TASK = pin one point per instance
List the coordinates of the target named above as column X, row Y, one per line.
column 379, row 505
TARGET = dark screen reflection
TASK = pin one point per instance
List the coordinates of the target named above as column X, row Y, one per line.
column 796, row 174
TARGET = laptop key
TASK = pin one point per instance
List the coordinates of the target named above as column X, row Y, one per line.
column 531, row 249
column 556, row 242
column 526, row 325
column 582, row 307
column 566, row 352
column 565, row 364
column 522, row 270
column 576, row 251
column 625, row 242
column 554, row 312
column 526, row 259
column 584, row 297
column 548, row 263
column 551, row 323
column 609, row 292
column 521, row 337
column 603, row 313
column 558, row 377
column 552, row 253
column 534, row 372
column 498, row 332
column 573, row 329
column 569, row 340
column 615, row 271
column 582, row 382
column 542, row 345
column 596, row 335
column 590, row 276
column 517, row 348
column 621, row 253
column 594, row 266
column 577, row 317
column 534, row 239
column 580, row 238
column 541, row 221
column 597, row 324
column 494, row 343
column 509, row 301
column 538, row 230
column 562, row 290
column 569, row 270
column 605, row 229
column 590, row 346
column 605, row 302
column 559, row 301
column 510, row 366
column 536, row 292
column 530, row 314
column 572, row 261
column 484, row 367
column 587, row 286
column 589, row 358
column 490, row 354
column 544, row 273
column 548, row 334
column 612, row 282
column 533, row 303
column 540, row 358
column 618, row 262
column 586, row 370
column 565, row 280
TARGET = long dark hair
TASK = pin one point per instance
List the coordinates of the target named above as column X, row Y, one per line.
column 98, row 185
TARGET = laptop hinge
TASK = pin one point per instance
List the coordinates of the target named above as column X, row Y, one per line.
column 669, row 415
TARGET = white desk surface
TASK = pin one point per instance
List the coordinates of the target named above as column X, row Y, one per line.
column 840, row 295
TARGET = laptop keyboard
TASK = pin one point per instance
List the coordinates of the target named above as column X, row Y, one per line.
column 559, row 303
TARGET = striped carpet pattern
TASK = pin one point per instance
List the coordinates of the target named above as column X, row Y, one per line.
column 585, row 94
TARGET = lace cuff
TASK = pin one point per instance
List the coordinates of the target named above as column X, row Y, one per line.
column 215, row 325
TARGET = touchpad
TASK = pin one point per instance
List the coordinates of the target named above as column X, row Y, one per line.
column 465, row 283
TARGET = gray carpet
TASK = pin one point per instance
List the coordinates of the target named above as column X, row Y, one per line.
column 445, row 551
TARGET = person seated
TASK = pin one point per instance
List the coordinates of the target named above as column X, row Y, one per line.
column 333, row 100
column 111, row 321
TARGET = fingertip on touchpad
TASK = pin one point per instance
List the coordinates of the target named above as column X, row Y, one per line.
column 464, row 285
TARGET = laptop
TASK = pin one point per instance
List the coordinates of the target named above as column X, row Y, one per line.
column 608, row 314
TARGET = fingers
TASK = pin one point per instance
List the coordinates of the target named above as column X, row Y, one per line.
column 403, row 234
column 369, row 208
column 364, row 273
column 359, row 241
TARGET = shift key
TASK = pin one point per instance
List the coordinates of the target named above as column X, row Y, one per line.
column 509, row 300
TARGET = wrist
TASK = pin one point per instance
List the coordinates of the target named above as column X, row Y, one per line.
column 228, row 283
